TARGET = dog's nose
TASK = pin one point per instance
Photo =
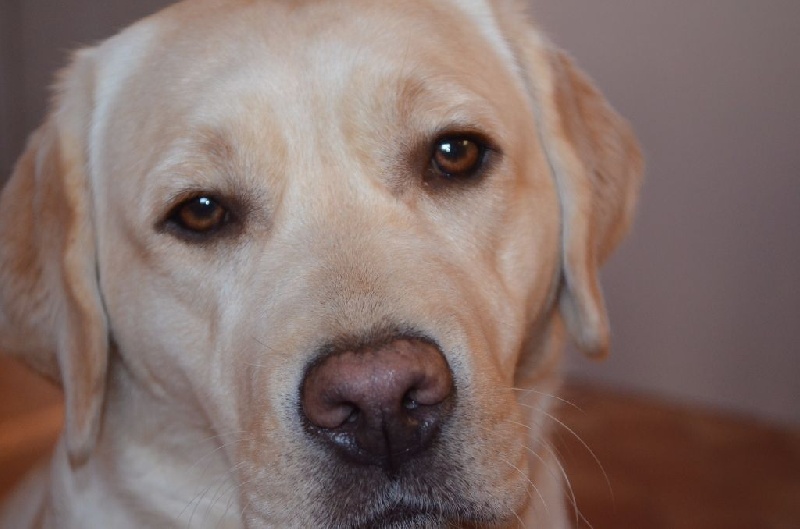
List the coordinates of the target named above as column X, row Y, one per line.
column 379, row 405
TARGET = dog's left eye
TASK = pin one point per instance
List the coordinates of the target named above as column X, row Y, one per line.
column 199, row 215
column 458, row 156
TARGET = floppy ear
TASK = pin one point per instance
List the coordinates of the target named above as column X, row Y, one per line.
column 597, row 165
column 51, row 313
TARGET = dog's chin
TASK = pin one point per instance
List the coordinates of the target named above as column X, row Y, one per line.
column 427, row 493
column 400, row 517
column 411, row 517
column 403, row 518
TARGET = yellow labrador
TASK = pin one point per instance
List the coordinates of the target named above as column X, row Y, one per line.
column 293, row 262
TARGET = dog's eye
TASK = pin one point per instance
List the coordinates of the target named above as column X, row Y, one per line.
column 200, row 215
column 458, row 156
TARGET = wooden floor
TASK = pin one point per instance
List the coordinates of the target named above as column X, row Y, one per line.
column 634, row 462
column 30, row 419
column 671, row 467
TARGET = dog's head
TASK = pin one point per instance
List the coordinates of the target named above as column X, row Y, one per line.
column 337, row 234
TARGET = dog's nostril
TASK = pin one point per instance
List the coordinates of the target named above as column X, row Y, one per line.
column 379, row 405
column 353, row 417
column 409, row 403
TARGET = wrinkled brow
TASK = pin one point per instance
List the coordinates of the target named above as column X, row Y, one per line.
column 209, row 161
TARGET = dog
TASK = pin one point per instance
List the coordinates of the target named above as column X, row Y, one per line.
column 311, row 264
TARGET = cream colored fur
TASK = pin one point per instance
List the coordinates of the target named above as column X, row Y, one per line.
column 181, row 362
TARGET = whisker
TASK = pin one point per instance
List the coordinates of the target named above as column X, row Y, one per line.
column 588, row 449
column 528, row 479
column 563, row 474
column 573, row 499
column 220, row 491
column 570, row 493
column 233, row 491
column 549, row 395
column 217, row 448
column 576, row 436
column 198, row 497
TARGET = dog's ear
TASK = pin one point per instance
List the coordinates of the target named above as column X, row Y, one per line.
column 51, row 312
column 598, row 166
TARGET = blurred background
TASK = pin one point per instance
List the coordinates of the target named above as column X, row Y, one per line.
column 704, row 297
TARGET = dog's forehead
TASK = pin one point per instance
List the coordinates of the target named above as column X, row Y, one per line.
column 198, row 43
column 198, row 35
column 256, row 64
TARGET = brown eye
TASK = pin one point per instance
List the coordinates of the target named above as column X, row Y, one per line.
column 458, row 156
column 200, row 215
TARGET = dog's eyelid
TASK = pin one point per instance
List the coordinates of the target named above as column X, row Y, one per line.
column 490, row 142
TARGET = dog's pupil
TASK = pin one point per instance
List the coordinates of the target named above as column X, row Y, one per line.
column 203, row 208
column 201, row 214
column 455, row 150
column 457, row 156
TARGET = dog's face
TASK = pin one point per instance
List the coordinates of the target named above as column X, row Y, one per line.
column 262, row 195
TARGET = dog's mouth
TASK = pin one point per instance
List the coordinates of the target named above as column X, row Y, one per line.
column 420, row 515
column 404, row 517
column 411, row 517
column 430, row 490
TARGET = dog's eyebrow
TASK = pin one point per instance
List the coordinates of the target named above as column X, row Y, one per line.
column 426, row 114
column 207, row 162
column 215, row 144
column 205, row 153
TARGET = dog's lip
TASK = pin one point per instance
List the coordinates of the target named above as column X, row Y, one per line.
column 398, row 514
column 408, row 516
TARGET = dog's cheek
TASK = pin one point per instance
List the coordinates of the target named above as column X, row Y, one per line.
column 487, row 440
column 166, row 328
column 525, row 272
column 528, row 249
column 266, row 333
column 274, row 467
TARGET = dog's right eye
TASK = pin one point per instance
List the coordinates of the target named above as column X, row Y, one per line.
column 460, row 157
column 199, row 215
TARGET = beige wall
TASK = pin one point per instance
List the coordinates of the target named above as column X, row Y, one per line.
column 10, row 123
column 705, row 296
column 37, row 36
